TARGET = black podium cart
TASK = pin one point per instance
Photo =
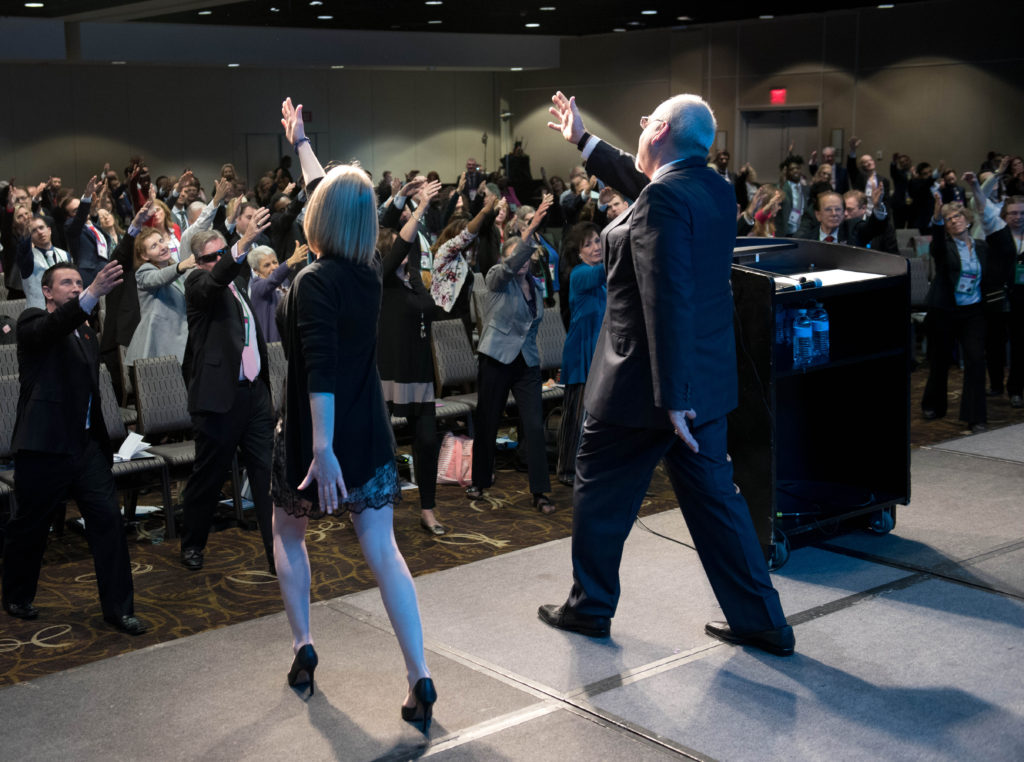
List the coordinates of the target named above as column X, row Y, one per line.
column 824, row 448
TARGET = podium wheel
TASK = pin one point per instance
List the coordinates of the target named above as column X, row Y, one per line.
column 780, row 550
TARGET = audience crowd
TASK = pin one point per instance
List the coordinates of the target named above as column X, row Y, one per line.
column 436, row 238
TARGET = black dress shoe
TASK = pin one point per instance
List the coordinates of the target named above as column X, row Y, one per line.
column 22, row 610
column 779, row 642
column 192, row 559
column 977, row 428
column 128, row 623
column 564, row 618
column 929, row 415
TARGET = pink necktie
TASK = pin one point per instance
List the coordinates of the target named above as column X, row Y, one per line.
column 250, row 358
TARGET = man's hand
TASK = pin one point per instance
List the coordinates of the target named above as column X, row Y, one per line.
column 462, row 182
column 289, row 189
column 1001, row 169
column 679, row 420
column 185, row 178
column 291, row 120
column 410, row 188
column 187, row 264
column 107, row 279
column 877, row 193
column 259, row 222
column 143, row 214
column 90, row 188
column 569, row 123
column 220, row 190
column 301, row 250
column 502, row 213
column 854, row 142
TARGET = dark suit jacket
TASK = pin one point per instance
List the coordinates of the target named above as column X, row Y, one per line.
column 859, row 182
column 996, row 255
column 82, row 245
column 59, row 373
column 852, row 232
column 839, row 173
column 667, row 341
column 213, row 353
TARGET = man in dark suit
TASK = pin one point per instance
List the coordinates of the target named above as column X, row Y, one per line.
column 836, row 221
column 840, row 177
column 664, row 378
column 62, row 449
column 228, row 377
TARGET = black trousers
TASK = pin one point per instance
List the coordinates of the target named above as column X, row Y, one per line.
column 424, row 453
column 247, row 427
column 494, row 381
column 613, row 471
column 944, row 327
column 41, row 481
column 1015, row 320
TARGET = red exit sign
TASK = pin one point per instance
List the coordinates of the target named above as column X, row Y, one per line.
column 778, row 96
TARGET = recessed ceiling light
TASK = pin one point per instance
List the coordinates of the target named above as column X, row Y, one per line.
column 205, row 13
column 434, row 21
column 33, row 5
column 683, row 18
column 324, row 18
column 118, row 63
column 315, row 2
column 434, row 2
column 338, row 66
column 886, row 6
column 766, row 17
column 532, row 25
column 635, row 23
column 618, row 29
column 516, row 68
column 648, row 13
column 275, row 10
column 233, row 65
column 548, row 8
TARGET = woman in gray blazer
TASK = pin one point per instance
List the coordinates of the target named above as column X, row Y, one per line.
column 163, row 329
column 509, row 360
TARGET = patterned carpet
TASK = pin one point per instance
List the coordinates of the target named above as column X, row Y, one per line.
column 234, row 586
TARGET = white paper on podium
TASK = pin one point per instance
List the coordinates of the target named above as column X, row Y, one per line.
column 132, row 448
column 828, row 277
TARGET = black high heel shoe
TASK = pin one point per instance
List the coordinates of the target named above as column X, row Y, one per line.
column 425, row 696
column 303, row 667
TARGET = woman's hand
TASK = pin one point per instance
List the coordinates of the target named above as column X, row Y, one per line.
column 90, row 188
column 326, row 472
column 427, row 192
column 300, row 255
column 876, row 194
column 143, row 215
column 502, row 213
column 291, row 120
column 187, row 264
column 220, row 191
column 259, row 222
column 538, row 216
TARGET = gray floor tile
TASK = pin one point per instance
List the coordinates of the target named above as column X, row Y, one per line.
column 1007, row 443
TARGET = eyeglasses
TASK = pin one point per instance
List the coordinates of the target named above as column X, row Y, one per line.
column 213, row 256
column 646, row 120
column 954, row 216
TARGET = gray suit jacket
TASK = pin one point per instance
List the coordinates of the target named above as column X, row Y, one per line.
column 509, row 327
column 163, row 329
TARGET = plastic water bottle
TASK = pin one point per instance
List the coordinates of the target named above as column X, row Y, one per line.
column 802, row 339
column 819, row 334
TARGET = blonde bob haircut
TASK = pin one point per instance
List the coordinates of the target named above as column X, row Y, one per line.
column 341, row 217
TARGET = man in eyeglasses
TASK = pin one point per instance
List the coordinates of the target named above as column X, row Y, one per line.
column 663, row 378
column 228, row 378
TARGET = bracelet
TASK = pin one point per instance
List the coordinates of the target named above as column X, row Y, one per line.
column 583, row 141
column 299, row 142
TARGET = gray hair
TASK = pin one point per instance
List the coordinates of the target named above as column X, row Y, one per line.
column 691, row 124
column 257, row 254
column 203, row 237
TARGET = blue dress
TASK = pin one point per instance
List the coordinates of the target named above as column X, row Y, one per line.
column 588, row 295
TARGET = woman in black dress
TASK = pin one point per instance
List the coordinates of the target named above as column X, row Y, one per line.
column 403, row 359
column 334, row 450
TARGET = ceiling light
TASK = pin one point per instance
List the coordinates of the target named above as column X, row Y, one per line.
column 434, row 2
column 118, row 63
column 766, row 17
column 532, row 25
column 275, row 10
column 516, row 68
column 33, row 5
column 618, row 29
column 548, row 8
column 683, row 18
column 205, row 13
column 315, row 2
column 338, row 66
column 635, row 23
column 886, row 6
column 324, row 18
column 434, row 21
column 233, row 66
column 648, row 13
